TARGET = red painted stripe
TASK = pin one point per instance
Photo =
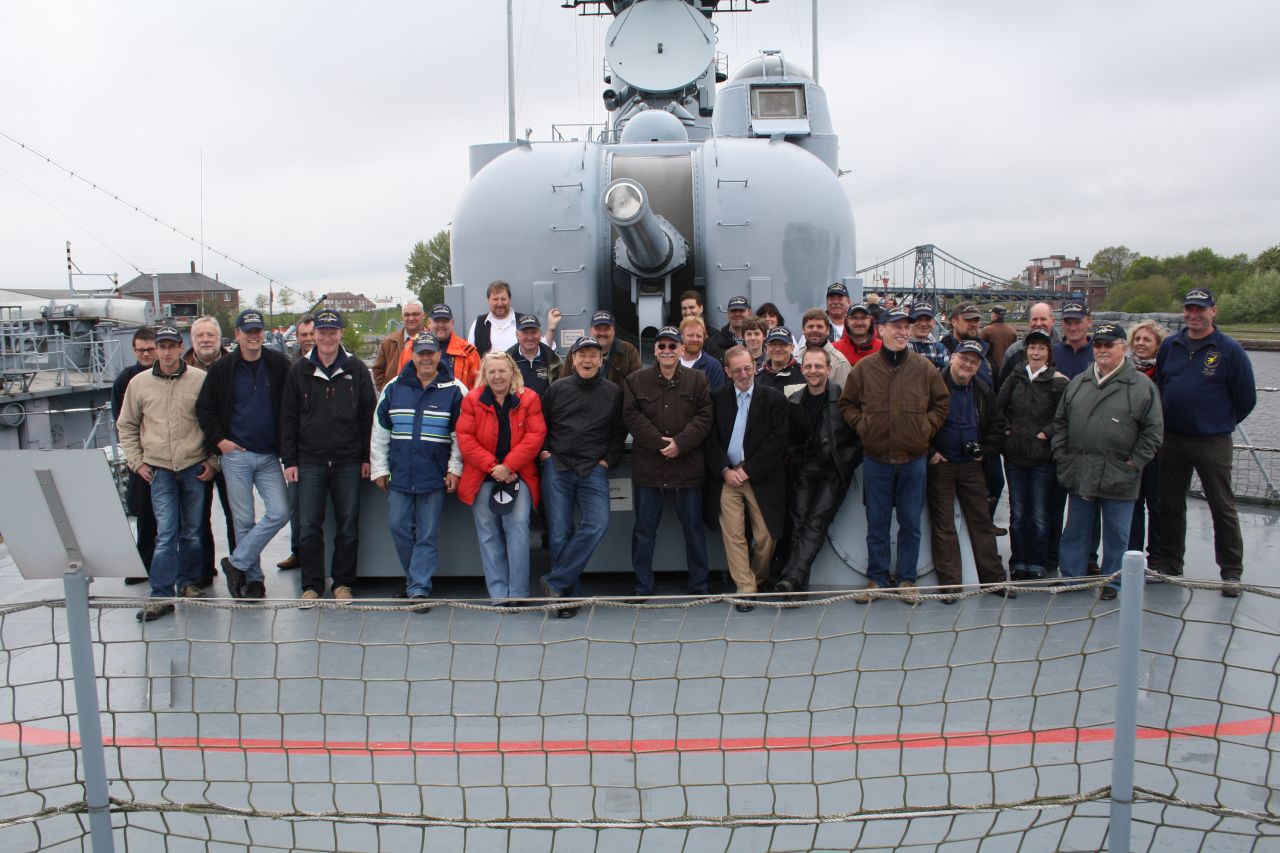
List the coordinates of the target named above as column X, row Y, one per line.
column 27, row 735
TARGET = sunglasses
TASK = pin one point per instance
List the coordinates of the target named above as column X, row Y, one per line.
column 667, row 346
column 1104, row 344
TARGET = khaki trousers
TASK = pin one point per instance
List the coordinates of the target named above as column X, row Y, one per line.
column 737, row 504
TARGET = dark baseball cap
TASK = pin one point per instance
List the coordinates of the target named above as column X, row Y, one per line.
column 329, row 319
column 426, row 342
column 168, row 333
column 1036, row 336
column 997, row 310
column 739, row 303
column 671, row 333
column 1109, row 332
column 503, row 497
column 967, row 310
column 440, row 311
column 584, row 342
column 528, row 321
column 837, row 289
column 860, row 306
column 1075, row 310
column 603, row 318
column 1201, row 296
column 250, row 320
column 894, row 315
column 970, row 348
column 779, row 333
column 921, row 309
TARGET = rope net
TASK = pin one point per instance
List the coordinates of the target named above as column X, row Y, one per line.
column 677, row 725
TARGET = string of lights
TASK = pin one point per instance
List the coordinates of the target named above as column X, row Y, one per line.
column 271, row 280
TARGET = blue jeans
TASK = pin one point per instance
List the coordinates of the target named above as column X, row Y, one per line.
column 888, row 489
column 415, row 522
column 317, row 484
column 648, row 508
column 244, row 470
column 1080, row 533
column 568, row 495
column 177, row 499
column 504, row 543
column 1029, row 487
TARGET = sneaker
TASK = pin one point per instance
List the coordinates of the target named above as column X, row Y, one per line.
column 1108, row 593
column 308, row 598
column 1231, row 586
column 907, row 592
column 290, row 562
column 235, row 578
column 254, row 591
column 154, row 610
column 136, row 581
column 417, row 603
column 865, row 596
column 192, row 591
column 342, row 594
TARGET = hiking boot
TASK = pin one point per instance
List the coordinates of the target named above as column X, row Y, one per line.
column 907, row 591
column 154, row 610
column 864, row 597
column 1108, row 593
column 308, row 598
column 290, row 562
column 192, row 591
column 235, row 578
column 254, row 591
column 342, row 595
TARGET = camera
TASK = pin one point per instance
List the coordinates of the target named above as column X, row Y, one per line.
column 973, row 448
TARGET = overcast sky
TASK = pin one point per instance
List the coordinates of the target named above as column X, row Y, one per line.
column 334, row 135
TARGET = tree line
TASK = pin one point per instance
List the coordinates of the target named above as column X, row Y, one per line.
column 1248, row 290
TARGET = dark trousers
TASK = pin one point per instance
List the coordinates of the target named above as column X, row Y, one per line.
column 1144, row 528
column 994, row 473
column 1209, row 457
column 1029, row 487
column 138, row 498
column 295, row 522
column 648, row 506
column 317, row 485
column 814, row 495
column 965, row 481
column 206, row 526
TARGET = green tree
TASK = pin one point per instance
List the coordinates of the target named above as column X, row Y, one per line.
column 1268, row 260
column 1112, row 262
column 1257, row 300
column 309, row 297
column 428, row 269
column 260, row 302
column 286, row 299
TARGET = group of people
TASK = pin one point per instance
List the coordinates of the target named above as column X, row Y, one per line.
column 751, row 431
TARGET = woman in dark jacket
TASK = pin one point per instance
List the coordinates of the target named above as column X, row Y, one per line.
column 500, row 433
column 1024, row 411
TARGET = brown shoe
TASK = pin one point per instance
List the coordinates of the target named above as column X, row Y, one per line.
column 154, row 610
column 907, row 592
column 290, row 562
column 342, row 594
column 192, row 591
column 308, row 598
column 865, row 596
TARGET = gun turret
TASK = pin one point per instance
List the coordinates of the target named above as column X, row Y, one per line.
column 648, row 246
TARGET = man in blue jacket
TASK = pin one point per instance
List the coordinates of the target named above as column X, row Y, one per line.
column 1206, row 388
column 414, row 457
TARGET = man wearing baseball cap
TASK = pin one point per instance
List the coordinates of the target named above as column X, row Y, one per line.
column 1206, row 389
column 1107, row 428
column 539, row 364
column 838, row 309
column 667, row 410
column 461, row 357
column 923, row 342
column 326, row 413
column 239, row 411
column 859, row 338
column 585, row 437
column 621, row 359
column 730, row 335
column 163, row 444
column 1073, row 354
column 781, row 371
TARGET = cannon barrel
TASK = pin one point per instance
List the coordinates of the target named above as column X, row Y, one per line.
column 649, row 247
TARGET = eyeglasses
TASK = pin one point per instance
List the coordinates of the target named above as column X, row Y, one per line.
column 144, row 350
column 665, row 346
column 1104, row 344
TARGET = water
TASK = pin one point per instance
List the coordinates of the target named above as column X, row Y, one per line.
column 1263, row 425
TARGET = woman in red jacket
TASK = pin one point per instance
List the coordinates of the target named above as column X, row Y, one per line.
column 500, row 433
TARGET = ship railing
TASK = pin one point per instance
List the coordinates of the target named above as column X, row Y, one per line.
column 583, row 132
column 1054, row 721
column 31, row 351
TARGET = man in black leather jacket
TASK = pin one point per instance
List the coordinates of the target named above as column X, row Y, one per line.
column 823, row 452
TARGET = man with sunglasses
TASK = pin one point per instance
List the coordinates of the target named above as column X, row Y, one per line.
column 1108, row 427
column 667, row 410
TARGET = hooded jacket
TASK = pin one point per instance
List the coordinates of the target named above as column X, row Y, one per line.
column 1103, row 435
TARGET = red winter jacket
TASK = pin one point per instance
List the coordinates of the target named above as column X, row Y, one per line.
column 857, row 352
column 477, row 433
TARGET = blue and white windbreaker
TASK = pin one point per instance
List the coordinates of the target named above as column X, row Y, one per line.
column 413, row 431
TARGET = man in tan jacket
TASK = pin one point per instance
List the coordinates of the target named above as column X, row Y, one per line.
column 393, row 355
column 163, row 444
column 895, row 401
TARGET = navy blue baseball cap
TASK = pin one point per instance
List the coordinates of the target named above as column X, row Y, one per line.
column 584, row 342
column 860, row 306
column 426, row 342
column 1109, row 332
column 670, row 333
column 837, row 289
column 922, row 309
column 250, row 320
column 739, row 303
column 781, row 334
column 329, row 319
column 893, row 315
column 1035, row 336
column 168, row 333
column 1075, row 310
column 440, row 311
column 1201, row 296
column 528, row 321
column 970, row 348
column 603, row 318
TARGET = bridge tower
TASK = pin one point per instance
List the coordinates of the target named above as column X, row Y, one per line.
column 924, row 280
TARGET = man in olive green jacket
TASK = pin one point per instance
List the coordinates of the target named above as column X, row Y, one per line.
column 1108, row 426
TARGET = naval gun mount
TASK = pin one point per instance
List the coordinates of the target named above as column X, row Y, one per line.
column 648, row 247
